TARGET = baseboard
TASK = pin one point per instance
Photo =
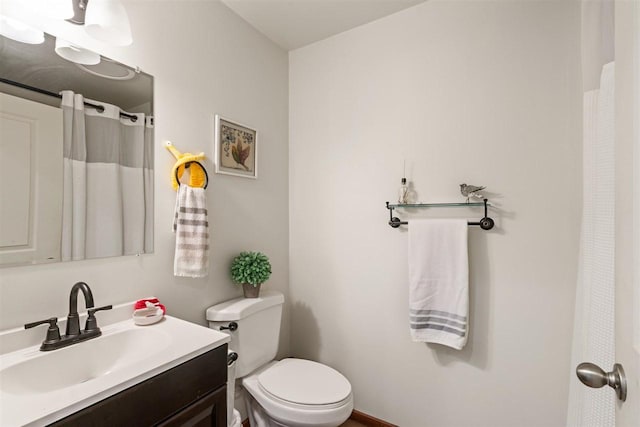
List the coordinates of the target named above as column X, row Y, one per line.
column 358, row 416
column 368, row 420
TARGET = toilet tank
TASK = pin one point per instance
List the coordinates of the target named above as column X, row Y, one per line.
column 258, row 333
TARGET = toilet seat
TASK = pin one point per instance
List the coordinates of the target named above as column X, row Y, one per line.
column 287, row 412
column 289, row 380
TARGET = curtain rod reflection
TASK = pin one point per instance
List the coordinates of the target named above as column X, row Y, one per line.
column 99, row 108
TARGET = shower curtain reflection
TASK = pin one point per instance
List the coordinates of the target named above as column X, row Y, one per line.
column 108, row 181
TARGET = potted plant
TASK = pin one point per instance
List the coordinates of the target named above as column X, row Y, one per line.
column 250, row 269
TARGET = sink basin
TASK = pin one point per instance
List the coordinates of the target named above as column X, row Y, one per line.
column 38, row 388
column 85, row 361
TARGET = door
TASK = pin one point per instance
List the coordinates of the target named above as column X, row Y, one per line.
column 627, row 267
column 30, row 181
column 627, row 218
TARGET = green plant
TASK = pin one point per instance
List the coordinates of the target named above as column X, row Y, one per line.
column 250, row 267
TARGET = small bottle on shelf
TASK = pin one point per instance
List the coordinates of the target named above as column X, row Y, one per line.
column 403, row 193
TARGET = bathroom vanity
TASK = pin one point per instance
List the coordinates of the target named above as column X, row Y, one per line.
column 193, row 393
column 167, row 374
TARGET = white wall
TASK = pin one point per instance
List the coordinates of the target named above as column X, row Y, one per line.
column 205, row 60
column 478, row 92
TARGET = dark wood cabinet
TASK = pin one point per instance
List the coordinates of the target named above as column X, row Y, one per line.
column 191, row 394
column 211, row 410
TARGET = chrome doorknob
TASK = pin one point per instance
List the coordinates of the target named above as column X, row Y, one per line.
column 594, row 376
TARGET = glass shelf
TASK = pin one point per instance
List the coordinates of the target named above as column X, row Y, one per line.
column 485, row 223
column 435, row 205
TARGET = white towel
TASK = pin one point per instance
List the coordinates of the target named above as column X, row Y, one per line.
column 439, row 281
column 192, row 233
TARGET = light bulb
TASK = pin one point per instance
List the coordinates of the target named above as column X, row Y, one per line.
column 76, row 54
column 19, row 31
column 54, row 9
column 107, row 21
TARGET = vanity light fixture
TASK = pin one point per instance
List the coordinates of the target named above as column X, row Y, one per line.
column 16, row 30
column 107, row 21
column 76, row 54
column 54, row 9
column 104, row 20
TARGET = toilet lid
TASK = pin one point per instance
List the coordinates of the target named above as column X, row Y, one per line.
column 305, row 382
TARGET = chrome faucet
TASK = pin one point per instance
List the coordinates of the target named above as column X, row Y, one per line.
column 73, row 334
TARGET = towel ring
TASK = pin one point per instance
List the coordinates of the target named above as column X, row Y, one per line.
column 187, row 165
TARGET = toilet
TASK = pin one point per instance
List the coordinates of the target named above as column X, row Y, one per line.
column 286, row 393
column 233, row 416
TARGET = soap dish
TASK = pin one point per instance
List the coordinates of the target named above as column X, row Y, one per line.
column 147, row 316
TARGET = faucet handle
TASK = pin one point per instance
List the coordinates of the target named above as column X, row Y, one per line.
column 53, row 333
column 92, row 323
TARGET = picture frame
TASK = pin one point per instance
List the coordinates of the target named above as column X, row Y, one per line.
column 236, row 148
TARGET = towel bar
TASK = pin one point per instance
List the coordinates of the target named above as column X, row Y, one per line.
column 485, row 222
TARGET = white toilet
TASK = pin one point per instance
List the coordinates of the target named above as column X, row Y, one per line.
column 233, row 416
column 290, row 392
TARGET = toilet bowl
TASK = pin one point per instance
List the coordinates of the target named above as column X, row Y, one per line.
column 298, row 393
column 286, row 393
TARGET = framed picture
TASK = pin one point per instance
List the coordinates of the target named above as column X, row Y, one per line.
column 236, row 149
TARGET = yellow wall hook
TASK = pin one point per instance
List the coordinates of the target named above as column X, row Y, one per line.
column 197, row 175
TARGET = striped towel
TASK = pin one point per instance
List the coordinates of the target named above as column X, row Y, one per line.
column 439, row 281
column 192, row 233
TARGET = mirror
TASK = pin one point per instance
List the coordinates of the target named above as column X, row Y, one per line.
column 76, row 155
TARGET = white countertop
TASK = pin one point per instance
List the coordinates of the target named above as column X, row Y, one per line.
column 173, row 342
